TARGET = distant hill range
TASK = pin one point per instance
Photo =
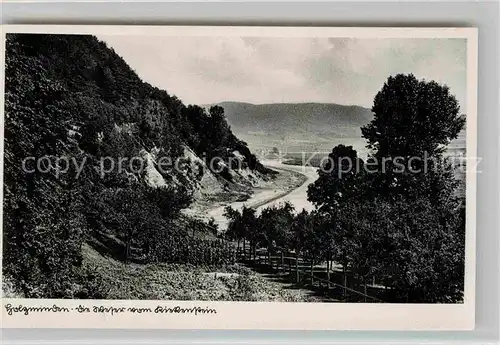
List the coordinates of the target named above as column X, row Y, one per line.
column 296, row 126
column 294, row 118
column 299, row 127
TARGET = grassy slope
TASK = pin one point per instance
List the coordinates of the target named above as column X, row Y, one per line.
column 184, row 282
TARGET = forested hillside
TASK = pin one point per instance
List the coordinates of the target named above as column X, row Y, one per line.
column 74, row 101
column 285, row 118
column 297, row 126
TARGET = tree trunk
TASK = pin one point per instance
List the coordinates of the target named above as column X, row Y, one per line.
column 344, row 269
column 282, row 262
column 244, row 249
column 297, row 267
column 328, row 269
column 147, row 250
column 312, row 278
column 127, row 250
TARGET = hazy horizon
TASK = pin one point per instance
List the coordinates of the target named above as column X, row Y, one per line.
column 344, row 71
column 269, row 103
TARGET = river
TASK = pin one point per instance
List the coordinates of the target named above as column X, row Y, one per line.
column 297, row 197
column 265, row 198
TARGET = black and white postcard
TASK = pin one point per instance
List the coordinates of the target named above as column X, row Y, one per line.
column 238, row 177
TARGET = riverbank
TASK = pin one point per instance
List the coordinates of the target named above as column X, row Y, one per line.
column 298, row 196
column 286, row 182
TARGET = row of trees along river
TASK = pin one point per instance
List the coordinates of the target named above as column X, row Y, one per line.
column 404, row 230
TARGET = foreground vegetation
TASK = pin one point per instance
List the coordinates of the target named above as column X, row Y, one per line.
column 70, row 96
column 404, row 227
column 115, row 236
column 165, row 281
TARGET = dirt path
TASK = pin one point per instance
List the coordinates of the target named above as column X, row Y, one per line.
column 278, row 278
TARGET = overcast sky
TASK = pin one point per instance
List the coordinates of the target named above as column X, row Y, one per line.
column 203, row 70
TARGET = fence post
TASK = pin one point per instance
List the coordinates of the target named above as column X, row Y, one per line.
column 244, row 249
column 345, row 280
column 328, row 264
column 312, row 277
column 297, row 267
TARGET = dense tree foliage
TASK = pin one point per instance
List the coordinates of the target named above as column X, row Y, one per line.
column 71, row 96
column 397, row 222
column 341, row 180
column 413, row 122
column 403, row 218
column 42, row 226
column 411, row 117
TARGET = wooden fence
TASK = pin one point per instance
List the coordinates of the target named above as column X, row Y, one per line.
column 281, row 264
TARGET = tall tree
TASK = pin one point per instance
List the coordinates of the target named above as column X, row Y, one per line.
column 411, row 117
column 413, row 122
column 340, row 180
column 418, row 209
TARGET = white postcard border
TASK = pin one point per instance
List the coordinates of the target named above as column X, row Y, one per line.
column 272, row 315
